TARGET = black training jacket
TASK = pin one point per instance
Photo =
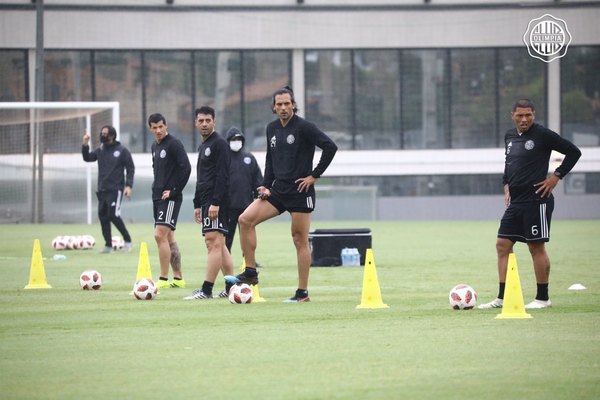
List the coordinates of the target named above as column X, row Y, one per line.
column 171, row 167
column 115, row 165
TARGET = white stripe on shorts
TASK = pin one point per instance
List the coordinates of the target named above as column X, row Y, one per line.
column 169, row 214
column 309, row 203
column 543, row 222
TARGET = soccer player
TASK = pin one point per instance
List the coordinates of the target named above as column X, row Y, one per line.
column 115, row 180
column 172, row 169
column 245, row 176
column 288, row 185
column 528, row 196
column 211, row 202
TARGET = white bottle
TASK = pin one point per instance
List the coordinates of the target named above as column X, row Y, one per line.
column 355, row 257
column 345, row 256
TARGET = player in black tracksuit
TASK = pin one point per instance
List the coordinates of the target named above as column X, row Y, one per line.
column 172, row 169
column 244, row 177
column 211, row 201
column 288, row 185
column 528, row 196
column 115, row 179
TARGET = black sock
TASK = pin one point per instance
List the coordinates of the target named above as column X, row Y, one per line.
column 542, row 292
column 228, row 286
column 301, row 293
column 162, row 278
column 501, row 286
column 176, row 278
column 207, row 287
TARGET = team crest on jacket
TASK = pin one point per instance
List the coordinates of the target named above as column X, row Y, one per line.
column 207, row 152
column 290, row 139
column 116, row 154
column 529, row 145
column 163, row 153
column 273, row 142
column 247, row 160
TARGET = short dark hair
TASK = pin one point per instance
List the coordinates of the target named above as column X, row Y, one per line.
column 156, row 118
column 523, row 103
column 285, row 90
column 111, row 131
column 205, row 110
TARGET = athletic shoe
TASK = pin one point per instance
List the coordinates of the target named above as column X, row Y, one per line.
column 106, row 250
column 496, row 303
column 162, row 284
column 127, row 247
column 177, row 283
column 223, row 294
column 535, row 304
column 297, row 299
column 242, row 278
column 198, row 294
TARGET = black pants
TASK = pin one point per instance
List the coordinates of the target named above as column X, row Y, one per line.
column 109, row 210
column 234, row 215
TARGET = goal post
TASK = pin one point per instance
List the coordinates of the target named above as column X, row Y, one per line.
column 44, row 178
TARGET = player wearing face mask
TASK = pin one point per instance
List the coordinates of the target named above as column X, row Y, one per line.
column 244, row 177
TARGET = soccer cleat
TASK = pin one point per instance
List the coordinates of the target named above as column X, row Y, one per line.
column 242, row 278
column 223, row 294
column 297, row 299
column 198, row 294
column 496, row 303
column 106, row 250
column 177, row 283
column 127, row 247
column 162, row 284
column 536, row 304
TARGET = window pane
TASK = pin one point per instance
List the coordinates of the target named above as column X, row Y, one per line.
column 329, row 93
column 263, row 73
column 118, row 78
column 580, row 95
column 520, row 77
column 377, row 97
column 424, row 92
column 67, row 76
column 13, row 70
column 168, row 91
column 473, row 98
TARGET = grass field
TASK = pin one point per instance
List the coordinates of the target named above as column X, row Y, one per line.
column 65, row 343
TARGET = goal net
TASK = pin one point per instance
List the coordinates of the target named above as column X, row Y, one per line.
column 44, row 178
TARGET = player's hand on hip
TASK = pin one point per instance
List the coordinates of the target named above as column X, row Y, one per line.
column 305, row 183
column 263, row 193
column 545, row 187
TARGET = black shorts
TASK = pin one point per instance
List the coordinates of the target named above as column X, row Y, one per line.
column 290, row 200
column 166, row 212
column 220, row 224
column 527, row 222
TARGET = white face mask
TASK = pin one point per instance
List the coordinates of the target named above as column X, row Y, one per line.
column 235, row 145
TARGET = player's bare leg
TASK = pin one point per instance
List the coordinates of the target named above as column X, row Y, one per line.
column 215, row 242
column 503, row 249
column 300, row 228
column 257, row 212
column 175, row 259
column 161, row 236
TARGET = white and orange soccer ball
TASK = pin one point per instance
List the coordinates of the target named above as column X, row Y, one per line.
column 462, row 297
column 60, row 243
column 86, row 242
column 145, row 289
column 90, row 280
column 241, row 294
column 72, row 242
column 117, row 242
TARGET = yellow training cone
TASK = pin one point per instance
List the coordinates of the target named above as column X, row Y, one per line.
column 514, row 306
column 143, row 270
column 371, row 293
column 257, row 298
column 37, row 275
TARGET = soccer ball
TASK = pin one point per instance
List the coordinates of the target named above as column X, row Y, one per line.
column 241, row 294
column 117, row 242
column 145, row 289
column 59, row 243
column 462, row 297
column 90, row 280
column 86, row 242
column 72, row 242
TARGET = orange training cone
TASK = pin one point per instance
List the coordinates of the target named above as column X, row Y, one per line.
column 371, row 293
column 37, row 275
column 514, row 306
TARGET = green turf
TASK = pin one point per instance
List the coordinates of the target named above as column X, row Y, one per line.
column 65, row 343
